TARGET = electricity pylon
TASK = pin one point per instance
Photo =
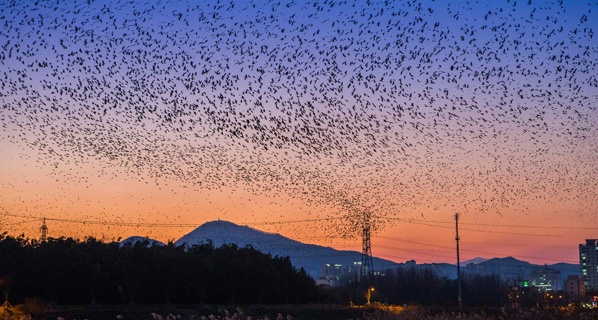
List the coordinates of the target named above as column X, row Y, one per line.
column 367, row 263
column 44, row 230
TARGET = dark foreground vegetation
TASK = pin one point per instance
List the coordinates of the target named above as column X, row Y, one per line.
column 65, row 271
column 421, row 286
column 292, row 312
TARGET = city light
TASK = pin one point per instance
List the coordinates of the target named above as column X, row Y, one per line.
column 369, row 295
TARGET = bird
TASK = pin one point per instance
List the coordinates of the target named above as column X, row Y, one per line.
column 353, row 109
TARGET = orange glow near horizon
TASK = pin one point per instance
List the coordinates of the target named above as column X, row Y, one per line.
column 167, row 210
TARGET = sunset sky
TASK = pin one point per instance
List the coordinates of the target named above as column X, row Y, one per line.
column 304, row 118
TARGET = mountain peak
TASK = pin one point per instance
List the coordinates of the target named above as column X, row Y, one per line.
column 311, row 257
column 225, row 232
column 135, row 239
column 219, row 223
column 506, row 260
column 475, row 260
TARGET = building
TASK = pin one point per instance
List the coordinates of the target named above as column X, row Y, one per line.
column 332, row 274
column 354, row 272
column 574, row 288
column 546, row 279
column 588, row 261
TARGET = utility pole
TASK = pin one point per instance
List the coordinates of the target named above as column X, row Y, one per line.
column 458, row 261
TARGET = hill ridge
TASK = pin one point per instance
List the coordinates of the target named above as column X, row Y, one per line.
column 311, row 257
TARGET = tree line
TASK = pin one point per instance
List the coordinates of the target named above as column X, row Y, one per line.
column 69, row 271
column 424, row 286
column 421, row 286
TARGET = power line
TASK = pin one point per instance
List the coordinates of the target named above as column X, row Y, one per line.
column 470, row 250
column 485, row 231
column 430, row 223
column 488, row 225
column 21, row 222
column 160, row 225
column 434, row 254
column 290, row 221
column 106, row 223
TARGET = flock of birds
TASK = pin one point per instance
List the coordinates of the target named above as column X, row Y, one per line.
column 378, row 107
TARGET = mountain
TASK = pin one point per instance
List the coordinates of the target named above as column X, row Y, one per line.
column 134, row 239
column 512, row 269
column 311, row 257
column 567, row 269
column 475, row 260
column 509, row 269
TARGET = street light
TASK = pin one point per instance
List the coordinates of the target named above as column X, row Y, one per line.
column 368, row 296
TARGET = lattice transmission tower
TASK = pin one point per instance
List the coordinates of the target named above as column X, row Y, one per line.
column 367, row 263
column 44, row 230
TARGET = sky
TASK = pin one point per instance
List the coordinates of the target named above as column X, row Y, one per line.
column 306, row 118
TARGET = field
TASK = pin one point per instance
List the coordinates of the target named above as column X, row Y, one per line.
column 287, row 312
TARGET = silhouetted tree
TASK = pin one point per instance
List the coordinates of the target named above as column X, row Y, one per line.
column 69, row 271
column 423, row 286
